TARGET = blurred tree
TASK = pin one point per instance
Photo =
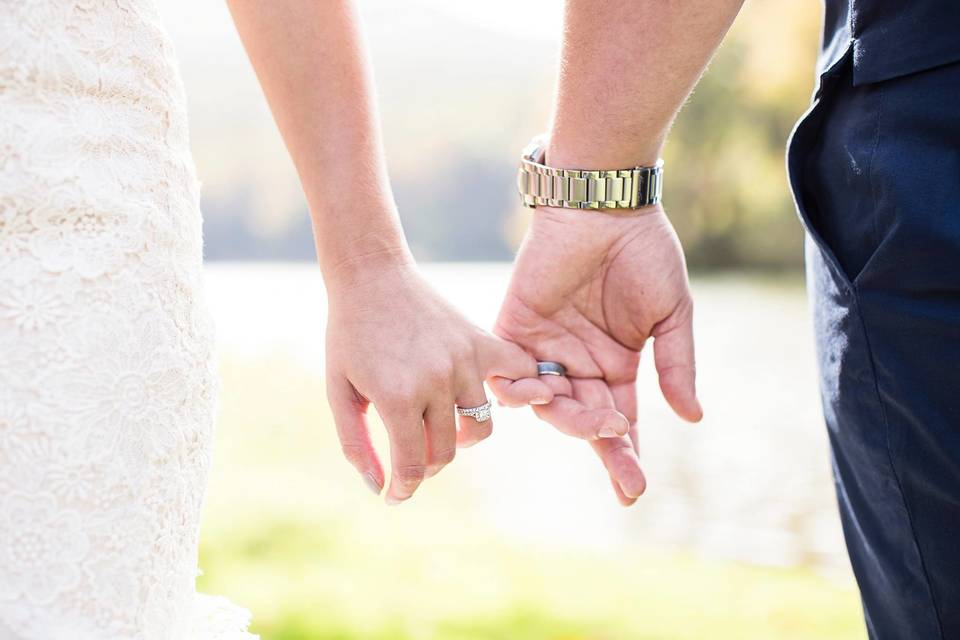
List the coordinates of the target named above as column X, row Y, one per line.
column 726, row 188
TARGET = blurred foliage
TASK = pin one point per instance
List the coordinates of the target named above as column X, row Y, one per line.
column 452, row 141
column 726, row 188
column 290, row 532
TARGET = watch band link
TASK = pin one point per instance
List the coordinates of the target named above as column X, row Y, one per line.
column 539, row 184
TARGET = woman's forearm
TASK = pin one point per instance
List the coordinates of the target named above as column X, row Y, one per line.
column 311, row 62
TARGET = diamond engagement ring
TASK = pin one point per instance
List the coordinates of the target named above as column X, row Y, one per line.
column 480, row 414
column 547, row 368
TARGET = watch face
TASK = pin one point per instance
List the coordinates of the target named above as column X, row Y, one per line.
column 535, row 150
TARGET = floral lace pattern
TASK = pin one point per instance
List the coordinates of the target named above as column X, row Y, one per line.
column 107, row 386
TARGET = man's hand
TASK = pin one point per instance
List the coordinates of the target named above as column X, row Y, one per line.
column 587, row 291
column 590, row 287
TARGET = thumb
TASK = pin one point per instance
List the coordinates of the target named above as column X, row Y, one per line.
column 674, row 359
column 511, row 372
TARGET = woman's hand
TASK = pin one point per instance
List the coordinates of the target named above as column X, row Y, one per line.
column 395, row 343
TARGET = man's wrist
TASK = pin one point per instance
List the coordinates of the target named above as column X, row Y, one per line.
column 564, row 156
column 581, row 150
column 597, row 184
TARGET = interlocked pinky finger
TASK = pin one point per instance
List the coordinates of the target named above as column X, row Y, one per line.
column 520, row 393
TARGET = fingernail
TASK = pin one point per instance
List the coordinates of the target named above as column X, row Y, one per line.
column 372, row 483
column 633, row 497
column 636, row 491
column 698, row 412
column 607, row 432
column 392, row 502
column 540, row 401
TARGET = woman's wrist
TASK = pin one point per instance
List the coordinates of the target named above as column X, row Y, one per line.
column 359, row 269
column 356, row 260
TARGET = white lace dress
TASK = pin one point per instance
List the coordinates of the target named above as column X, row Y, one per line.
column 107, row 387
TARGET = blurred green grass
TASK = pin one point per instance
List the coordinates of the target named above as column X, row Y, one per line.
column 290, row 533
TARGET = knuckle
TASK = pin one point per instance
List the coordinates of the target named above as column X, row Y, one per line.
column 408, row 474
column 597, row 418
column 439, row 375
column 464, row 351
column 354, row 453
column 399, row 398
column 444, row 456
column 617, row 446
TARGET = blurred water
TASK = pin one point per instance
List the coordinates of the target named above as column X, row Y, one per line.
column 750, row 482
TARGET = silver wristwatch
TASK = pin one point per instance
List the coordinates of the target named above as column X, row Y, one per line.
column 585, row 189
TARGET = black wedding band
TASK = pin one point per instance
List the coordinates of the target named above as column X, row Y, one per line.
column 548, row 368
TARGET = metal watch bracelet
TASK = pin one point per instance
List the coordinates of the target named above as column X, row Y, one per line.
column 541, row 185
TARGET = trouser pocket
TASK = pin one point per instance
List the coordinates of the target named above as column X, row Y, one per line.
column 829, row 162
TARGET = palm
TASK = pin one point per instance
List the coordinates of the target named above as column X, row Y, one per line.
column 588, row 290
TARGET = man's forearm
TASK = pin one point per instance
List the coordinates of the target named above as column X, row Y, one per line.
column 626, row 68
column 310, row 60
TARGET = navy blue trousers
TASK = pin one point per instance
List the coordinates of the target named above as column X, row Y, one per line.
column 875, row 171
